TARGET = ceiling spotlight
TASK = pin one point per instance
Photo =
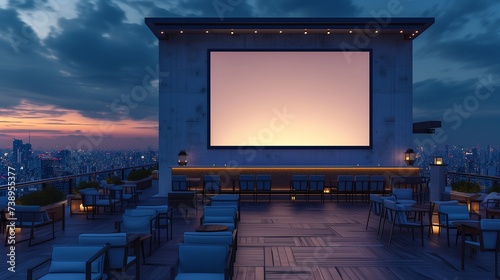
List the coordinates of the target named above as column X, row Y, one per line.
column 206, row 31
column 376, row 31
column 401, row 31
column 281, row 31
column 305, row 32
column 161, row 32
column 350, row 31
column 328, row 32
column 232, row 32
column 416, row 31
column 182, row 31
column 255, row 32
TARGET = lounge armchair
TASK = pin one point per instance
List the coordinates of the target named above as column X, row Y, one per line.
column 73, row 262
column 403, row 196
column 219, row 215
column 92, row 200
column 204, row 262
column 377, row 208
column 489, row 241
column 449, row 214
column 228, row 200
column 143, row 222
column 212, row 238
column 396, row 215
column 32, row 217
column 119, row 258
column 164, row 217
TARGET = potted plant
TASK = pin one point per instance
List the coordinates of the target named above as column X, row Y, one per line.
column 141, row 177
column 49, row 198
column 465, row 187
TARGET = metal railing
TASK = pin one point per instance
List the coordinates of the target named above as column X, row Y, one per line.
column 71, row 179
column 483, row 180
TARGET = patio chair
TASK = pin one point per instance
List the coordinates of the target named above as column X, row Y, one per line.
column 92, row 200
column 317, row 185
column 377, row 184
column 119, row 259
column 204, row 262
column 105, row 186
column 409, row 182
column 376, row 208
column 396, row 215
column 143, row 222
column 433, row 212
column 263, row 185
column 73, row 262
column 220, row 215
column 344, row 186
column 449, row 214
column 361, row 186
column 489, row 241
column 124, row 193
column 246, row 184
column 31, row 217
column 179, row 183
column 230, row 200
column 403, row 196
column 164, row 217
column 299, row 185
column 213, row 238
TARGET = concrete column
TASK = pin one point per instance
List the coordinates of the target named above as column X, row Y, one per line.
column 438, row 181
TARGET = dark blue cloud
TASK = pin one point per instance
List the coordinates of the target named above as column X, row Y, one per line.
column 312, row 8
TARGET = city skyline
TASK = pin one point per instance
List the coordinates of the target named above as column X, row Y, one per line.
column 84, row 74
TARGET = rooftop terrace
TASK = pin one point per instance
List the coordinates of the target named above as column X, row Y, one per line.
column 284, row 240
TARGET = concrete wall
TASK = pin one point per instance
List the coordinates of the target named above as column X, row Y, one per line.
column 183, row 101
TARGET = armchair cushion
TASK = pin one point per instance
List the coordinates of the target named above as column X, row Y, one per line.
column 200, row 276
column 222, row 237
column 451, row 213
column 406, row 194
column 72, row 259
column 136, row 223
column 490, row 229
column 195, row 258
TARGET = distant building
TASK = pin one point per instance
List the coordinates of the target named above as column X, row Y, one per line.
column 50, row 167
column 21, row 153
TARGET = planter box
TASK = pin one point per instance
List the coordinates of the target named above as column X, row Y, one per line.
column 58, row 211
column 472, row 200
column 141, row 184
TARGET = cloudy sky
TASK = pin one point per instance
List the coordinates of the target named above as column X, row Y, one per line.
column 83, row 73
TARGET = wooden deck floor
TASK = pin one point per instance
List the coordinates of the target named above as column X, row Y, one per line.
column 284, row 240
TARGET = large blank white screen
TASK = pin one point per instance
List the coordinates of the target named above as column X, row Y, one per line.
column 270, row 98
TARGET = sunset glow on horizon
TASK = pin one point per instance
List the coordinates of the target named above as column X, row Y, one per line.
column 50, row 127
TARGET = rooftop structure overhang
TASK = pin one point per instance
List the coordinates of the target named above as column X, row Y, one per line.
column 409, row 28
